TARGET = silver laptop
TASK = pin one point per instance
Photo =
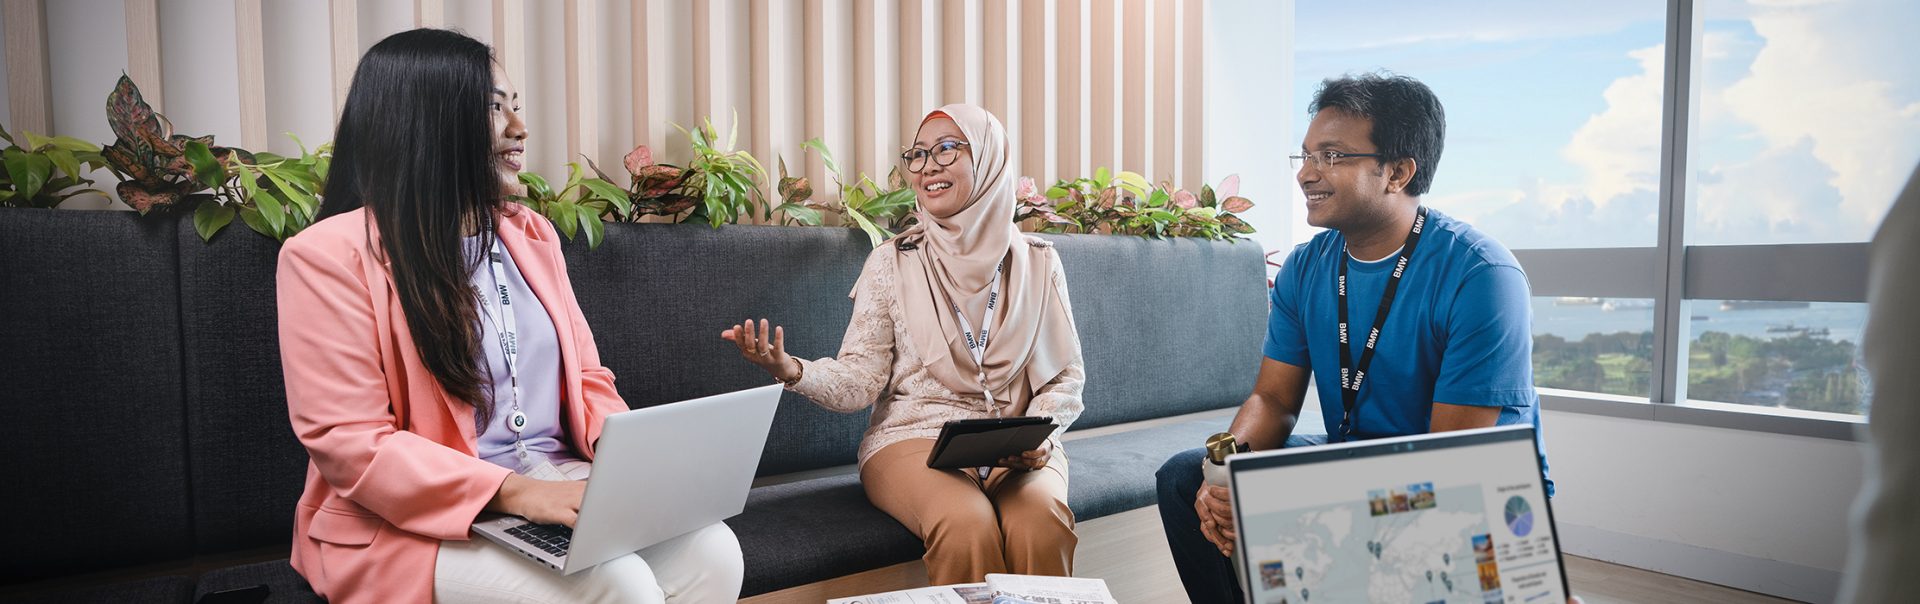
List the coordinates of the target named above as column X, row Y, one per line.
column 658, row 473
column 1450, row 517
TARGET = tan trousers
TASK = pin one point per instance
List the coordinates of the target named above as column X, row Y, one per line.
column 1015, row 521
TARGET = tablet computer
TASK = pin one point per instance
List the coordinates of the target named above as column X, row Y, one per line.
column 971, row 443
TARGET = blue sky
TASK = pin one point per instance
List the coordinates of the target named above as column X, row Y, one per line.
column 1809, row 112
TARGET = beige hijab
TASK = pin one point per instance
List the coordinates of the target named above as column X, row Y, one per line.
column 949, row 260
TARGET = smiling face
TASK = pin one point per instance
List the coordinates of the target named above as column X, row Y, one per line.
column 509, row 131
column 943, row 190
column 1353, row 191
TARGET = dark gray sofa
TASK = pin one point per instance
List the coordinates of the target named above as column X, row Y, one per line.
column 142, row 372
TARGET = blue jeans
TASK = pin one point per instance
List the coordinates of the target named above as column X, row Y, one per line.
column 1207, row 575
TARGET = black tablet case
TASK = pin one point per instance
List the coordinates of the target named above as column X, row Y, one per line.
column 971, row 443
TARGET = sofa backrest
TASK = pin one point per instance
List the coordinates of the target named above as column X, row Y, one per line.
column 90, row 385
column 145, row 363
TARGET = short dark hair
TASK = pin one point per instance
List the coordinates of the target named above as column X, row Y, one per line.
column 1408, row 121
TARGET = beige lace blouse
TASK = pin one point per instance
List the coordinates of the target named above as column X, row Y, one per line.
column 910, row 403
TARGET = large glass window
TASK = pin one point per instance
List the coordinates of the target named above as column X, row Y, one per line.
column 1553, row 109
column 1600, row 345
column 1795, row 355
column 1809, row 119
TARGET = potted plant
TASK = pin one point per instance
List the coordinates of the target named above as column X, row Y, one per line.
column 863, row 204
column 47, row 171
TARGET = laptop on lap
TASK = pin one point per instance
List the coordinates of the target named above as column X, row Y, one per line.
column 658, row 473
column 1449, row 517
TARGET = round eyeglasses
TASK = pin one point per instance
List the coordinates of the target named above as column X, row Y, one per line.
column 943, row 153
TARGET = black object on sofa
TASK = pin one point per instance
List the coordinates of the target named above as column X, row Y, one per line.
column 144, row 364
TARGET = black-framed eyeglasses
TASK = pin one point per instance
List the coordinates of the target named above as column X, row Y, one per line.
column 1322, row 159
column 943, row 153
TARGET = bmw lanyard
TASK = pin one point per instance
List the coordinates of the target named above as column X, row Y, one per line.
column 1351, row 375
column 977, row 345
column 508, row 326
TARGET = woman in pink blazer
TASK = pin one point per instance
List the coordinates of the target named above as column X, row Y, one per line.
column 423, row 402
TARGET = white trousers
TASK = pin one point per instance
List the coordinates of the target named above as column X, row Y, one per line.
column 695, row 568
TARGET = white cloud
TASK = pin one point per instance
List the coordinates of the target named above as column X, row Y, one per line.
column 1619, row 148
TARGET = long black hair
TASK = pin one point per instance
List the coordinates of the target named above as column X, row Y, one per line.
column 415, row 148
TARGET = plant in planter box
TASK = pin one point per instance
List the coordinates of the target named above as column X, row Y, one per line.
column 863, row 204
column 148, row 158
column 274, row 195
column 1124, row 205
column 726, row 181
column 47, row 171
column 578, row 206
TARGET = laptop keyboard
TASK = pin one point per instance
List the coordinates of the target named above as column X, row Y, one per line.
column 550, row 538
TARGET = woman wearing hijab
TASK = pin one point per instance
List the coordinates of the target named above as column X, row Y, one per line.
column 423, row 402
column 959, row 317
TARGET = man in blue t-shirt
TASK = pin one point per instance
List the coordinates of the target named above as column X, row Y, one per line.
column 1453, row 350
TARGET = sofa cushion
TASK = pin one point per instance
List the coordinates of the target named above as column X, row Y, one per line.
column 247, row 467
column 801, row 532
column 658, row 295
column 1167, row 327
column 90, row 376
column 284, row 586
column 157, row 590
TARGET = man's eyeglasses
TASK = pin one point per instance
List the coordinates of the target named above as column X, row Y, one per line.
column 943, row 153
column 1322, row 159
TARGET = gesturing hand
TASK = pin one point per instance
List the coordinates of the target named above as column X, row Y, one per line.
column 1030, row 460
column 765, row 347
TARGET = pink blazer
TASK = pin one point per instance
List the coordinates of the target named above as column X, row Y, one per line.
column 394, row 470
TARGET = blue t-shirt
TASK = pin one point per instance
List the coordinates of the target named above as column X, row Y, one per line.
column 1458, row 332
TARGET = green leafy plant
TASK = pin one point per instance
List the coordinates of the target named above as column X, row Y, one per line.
column 47, row 171
column 1125, row 204
column 276, row 196
column 576, row 207
column 863, row 204
column 726, row 181
column 148, row 158
column 653, row 189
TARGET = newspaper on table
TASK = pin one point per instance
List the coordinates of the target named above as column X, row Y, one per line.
column 999, row 589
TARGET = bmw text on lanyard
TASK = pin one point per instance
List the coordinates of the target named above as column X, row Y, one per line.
column 508, row 326
column 1352, row 375
column 977, row 345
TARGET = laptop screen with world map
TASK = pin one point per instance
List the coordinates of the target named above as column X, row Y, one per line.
column 1454, row 517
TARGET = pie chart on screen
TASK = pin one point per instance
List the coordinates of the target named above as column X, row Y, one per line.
column 1519, row 516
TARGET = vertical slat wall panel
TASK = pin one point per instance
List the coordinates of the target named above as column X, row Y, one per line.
column 345, row 22
column 813, row 40
column 641, row 55
column 997, row 74
column 1104, row 84
column 429, row 13
column 954, row 64
column 510, row 41
column 250, row 50
column 1135, row 92
column 868, row 148
column 1165, row 113
column 1193, row 73
column 760, row 107
column 30, row 104
column 914, row 49
column 583, row 124
column 1070, row 112
column 143, row 51
column 705, row 39
column 1081, row 84
column 1034, row 78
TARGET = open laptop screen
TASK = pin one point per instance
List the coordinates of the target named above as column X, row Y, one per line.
column 1451, row 517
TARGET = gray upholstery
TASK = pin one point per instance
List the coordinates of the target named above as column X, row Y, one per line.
column 658, row 296
column 284, row 586
column 1166, row 327
column 151, row 379
column 248, row 468
column 90, row 378
column 157, row 590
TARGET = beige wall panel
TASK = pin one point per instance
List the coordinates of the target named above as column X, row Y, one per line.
column 1165, row 111
column 250, row 52
column 1193, row 71
column 998, row 74
column 143, row 51
column 1035, row 78
column 1070, row 148
column 1103, row 98
column 582, row 85
column 1136, row 69
column 430, row 13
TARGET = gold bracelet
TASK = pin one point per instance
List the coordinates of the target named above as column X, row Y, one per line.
column 797, row 374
